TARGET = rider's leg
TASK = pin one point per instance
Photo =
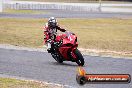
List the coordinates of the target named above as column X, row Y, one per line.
column 49, row 47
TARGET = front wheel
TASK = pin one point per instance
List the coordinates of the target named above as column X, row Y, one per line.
column 80, row 59
column 57, row 57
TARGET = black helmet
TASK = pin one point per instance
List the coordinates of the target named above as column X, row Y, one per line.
column 52, row 22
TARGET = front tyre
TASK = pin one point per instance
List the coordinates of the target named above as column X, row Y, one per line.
column 57, row 57
column 80, row 59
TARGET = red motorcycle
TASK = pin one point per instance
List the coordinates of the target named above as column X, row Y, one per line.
column 65, row 49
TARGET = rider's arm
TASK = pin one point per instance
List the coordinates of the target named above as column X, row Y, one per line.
column 61, row 29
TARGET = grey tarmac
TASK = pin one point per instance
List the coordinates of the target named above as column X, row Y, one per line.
column 41, row 66
column 68, row 14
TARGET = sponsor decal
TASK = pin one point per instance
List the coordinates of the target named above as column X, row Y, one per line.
column 82, row 77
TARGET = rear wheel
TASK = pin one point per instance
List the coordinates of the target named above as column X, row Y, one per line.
column 80, row 59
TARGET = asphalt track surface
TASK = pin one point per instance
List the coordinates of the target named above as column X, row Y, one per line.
column 68, row 14
column 41, row 66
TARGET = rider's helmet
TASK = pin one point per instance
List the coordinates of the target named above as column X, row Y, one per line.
column 52, row 22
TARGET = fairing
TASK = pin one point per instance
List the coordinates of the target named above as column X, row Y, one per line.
column 68, row 46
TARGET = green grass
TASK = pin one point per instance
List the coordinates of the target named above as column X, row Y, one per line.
column 15, row 83
column 108, row 34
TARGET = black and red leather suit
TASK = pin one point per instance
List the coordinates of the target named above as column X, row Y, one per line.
column 50, row 33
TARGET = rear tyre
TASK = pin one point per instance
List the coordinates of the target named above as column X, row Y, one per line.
column 80, row 59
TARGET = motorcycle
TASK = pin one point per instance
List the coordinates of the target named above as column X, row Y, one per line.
column 65, row 49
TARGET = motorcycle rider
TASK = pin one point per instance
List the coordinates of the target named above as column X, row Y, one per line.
column 50, row 32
